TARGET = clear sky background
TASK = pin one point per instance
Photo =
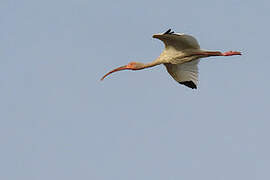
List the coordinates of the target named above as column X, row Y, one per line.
column 58, row 121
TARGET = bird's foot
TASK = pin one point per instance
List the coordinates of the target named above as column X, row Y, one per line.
column 231, row 53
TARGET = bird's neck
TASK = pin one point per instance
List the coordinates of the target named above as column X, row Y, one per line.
column 147, row 65
column 151, row 64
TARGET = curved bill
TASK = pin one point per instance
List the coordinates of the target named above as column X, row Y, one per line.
column 115, row 70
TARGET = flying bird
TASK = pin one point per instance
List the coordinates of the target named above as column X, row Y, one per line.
column 181, row 56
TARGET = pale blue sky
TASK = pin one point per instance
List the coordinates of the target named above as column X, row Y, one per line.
column 58, row 121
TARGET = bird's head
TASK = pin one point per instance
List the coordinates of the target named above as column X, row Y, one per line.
column 129, row 66
column 134, row 65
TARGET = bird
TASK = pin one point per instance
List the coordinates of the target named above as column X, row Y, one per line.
column 181, row 56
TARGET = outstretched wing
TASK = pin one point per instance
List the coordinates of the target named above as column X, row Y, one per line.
column 177, row 41
column 186, row 73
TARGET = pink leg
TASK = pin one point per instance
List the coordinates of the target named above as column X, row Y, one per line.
column 231, row 53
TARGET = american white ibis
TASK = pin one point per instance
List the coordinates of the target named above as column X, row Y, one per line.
column 180, row 56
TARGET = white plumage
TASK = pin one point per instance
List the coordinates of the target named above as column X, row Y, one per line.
column 180, row 66
column 183, row 73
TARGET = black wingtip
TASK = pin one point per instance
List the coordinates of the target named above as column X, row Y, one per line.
column 189, row 84
column 168, row 32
